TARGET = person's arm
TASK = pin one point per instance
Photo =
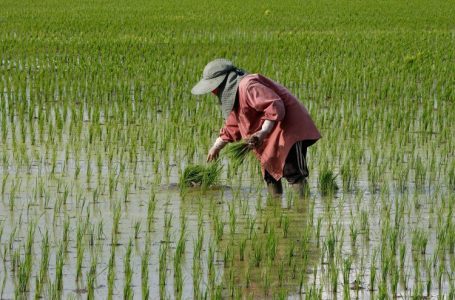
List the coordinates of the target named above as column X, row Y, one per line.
column 215, row 149
column 258, row 137
column 263, row 99
column 229, row 133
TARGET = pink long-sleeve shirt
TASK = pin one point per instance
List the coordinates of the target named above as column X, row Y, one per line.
column 259, row 99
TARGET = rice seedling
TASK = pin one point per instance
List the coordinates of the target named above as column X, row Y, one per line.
column 204, row 176
column 285, row 226
column 257, row 252
column 271, row 245
column 237, row 153
column 111, row 274
column 145, row 271
column 266, row 280
column 242, row 247
column 327, row 183
column 137, row 229
column 80, row 248
column 127, row 288
column 373, row 271
column 91, row 278
column 60, row 260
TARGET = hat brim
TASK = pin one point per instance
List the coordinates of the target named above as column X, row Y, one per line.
column 205, row 86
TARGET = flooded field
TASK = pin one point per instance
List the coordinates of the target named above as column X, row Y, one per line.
column 97, row 125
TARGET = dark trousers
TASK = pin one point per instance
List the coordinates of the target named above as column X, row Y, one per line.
column 295, row 167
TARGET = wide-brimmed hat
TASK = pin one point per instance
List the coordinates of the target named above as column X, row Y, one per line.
column 222, row 74
column 214, row 74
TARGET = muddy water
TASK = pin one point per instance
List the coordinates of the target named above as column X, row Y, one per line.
column 249, row 199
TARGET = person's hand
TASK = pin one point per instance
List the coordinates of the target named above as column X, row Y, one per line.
column 215, row 150
column 257, row 139
column 213, row 154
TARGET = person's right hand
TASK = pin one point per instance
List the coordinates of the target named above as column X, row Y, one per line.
column 213, row 154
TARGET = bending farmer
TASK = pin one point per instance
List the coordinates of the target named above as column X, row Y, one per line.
column 276, row 125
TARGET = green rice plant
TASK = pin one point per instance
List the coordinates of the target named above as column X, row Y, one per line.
column 333, row 275
column 247, row 276
column 353, row 232
column 383, row 293
column 301, row 282
column 100, row 231
column 257, row 251
column 127, row 288
column 242, row 247
column 419, row 240
column 330, row 243
column 145, row 259
column 450, row 174
column 181, row 246
column 178, row 277
column 210, row 268
column 219, row 227
column 111, row 274
column 167, row 226
column 250, row 224
column 318, row 231
column 65, row 239
column 80, row 248
column 402, row 256
column 271, row 244
column 232, row 219
column 285, row 226
column 419, row 173
column 204, row 176
column 151, row 205
column 197, row 245
column 44, row 265
column 428, row 267
column 197, row 274
column 266, row 282
column 228, row 256
column 91, row 278
column 326, row 181
column 116, row 221
column 137, row 229
column 373, row 270
column 281, row 274
column 59, row 262
column 162, row 267
column 347, row 262
column 237, row 153
column 291, row 252
column 4, row 181
column 394, row 281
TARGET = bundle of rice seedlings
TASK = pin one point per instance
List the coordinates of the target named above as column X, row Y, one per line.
column 327, row 183
column 237, row 152
column 198, row 175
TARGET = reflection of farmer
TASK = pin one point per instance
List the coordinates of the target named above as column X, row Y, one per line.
column 276, row 125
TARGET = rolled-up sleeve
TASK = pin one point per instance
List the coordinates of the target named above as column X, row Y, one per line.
column 264, row 99
column 230, row 132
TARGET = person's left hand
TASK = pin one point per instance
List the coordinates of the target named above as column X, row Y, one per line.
column 257, row 139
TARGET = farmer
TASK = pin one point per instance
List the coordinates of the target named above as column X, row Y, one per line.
column 274, row 123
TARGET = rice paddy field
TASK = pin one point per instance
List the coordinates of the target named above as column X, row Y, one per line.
column 97, row 125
